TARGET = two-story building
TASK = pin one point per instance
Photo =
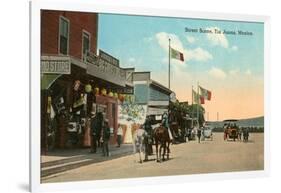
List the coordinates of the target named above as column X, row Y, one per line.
column 76, row 78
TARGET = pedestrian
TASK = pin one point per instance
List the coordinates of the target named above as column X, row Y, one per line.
column 119, row 135
column 199, row 131
column 105, row 138
column 148, row 138
column 94, row 133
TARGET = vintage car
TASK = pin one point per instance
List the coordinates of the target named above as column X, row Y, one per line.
column 231, row 129
column 207, row 133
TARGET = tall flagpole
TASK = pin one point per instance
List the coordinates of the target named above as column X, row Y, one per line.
column 169, row 75
column 192, row 107
column 199, row 101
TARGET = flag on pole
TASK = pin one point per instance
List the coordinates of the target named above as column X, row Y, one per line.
column 197, row 98
column 205, row 93
column 177, row 55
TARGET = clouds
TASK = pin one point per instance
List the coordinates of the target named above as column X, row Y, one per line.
column 190, row 39
column 248, row 72
column 217, row 73
column 234, row 48
column 163, row 41
column 220, row 74
column 217, row 39
column 197, row 54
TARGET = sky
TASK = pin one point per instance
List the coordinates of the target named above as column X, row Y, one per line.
column 230, row 66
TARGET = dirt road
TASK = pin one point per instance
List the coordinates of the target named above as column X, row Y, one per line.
column 186, row 158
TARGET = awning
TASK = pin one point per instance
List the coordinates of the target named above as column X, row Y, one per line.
column 48, row 79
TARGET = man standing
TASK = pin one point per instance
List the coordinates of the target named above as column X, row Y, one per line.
column 149, row 138
column 119, row 135
column 94, row 128
column 105, row 138
column 199, row 132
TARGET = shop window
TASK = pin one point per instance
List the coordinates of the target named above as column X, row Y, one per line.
column 85, row 44
column 63, row 36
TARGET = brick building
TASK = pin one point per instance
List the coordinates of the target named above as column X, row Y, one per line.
column 76, row 79
column 68, row 33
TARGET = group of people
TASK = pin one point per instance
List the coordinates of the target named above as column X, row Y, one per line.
column 100, row 134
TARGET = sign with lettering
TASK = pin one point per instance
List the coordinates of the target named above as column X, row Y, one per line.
column 105, row 68
column 55, row 65
column 108, row 58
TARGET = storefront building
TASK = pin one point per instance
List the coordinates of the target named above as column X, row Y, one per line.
column 76, row 79
column 152, row 94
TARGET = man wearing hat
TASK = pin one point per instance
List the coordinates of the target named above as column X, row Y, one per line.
column 105, row 137
column 94, row 132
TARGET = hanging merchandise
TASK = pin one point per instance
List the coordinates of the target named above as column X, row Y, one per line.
column 79, row 102
column 97, row 91
column 85, row 102
column 126, row 98
column 121, row 97
column 49, row 101
column 52, row 113
column 88, row 88
column 110, row 94
column 60, row 105
column 103, row 91
column 77, row 84
column 115, row 95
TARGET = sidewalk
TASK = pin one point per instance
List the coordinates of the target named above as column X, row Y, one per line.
column 62, row 160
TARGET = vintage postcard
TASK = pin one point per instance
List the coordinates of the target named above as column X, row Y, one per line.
column 128, row 96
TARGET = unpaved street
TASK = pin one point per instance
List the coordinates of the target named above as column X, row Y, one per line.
column 186, row 158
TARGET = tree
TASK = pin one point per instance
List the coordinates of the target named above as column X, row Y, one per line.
column 193, row 113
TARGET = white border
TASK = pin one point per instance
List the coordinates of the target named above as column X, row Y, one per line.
column 88, row 6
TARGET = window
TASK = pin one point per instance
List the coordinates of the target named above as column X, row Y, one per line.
column 63, row 36
column 85, row 44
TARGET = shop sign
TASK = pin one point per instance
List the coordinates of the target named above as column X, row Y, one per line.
column 156, row 111
column 108, row 58
column 105, row 68
column 127, row 90
column 55, row 65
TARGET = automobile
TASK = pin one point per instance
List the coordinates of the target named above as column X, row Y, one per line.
column 207, row 133
column 231, row 129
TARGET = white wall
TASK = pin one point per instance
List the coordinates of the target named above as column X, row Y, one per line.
column 14, row 94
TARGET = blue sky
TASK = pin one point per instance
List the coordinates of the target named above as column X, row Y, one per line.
column 142, row 42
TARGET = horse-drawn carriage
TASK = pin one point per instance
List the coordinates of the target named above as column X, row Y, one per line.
column 231, row 129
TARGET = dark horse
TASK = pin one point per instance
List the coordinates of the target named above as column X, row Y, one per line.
column 161, row 137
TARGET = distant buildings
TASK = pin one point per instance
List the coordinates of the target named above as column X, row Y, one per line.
column 152, row 94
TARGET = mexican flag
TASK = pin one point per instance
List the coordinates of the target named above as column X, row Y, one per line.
column 205, row 93
column 176, row 55
column 197, row 98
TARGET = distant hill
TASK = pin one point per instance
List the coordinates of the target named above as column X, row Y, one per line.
column 251, row 122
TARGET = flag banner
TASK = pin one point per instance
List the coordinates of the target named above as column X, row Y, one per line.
column 197, row 98
column 205, row 93
column 177, row 55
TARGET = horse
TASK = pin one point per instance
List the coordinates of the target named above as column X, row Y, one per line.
column 139, row 146
column 161, row 136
